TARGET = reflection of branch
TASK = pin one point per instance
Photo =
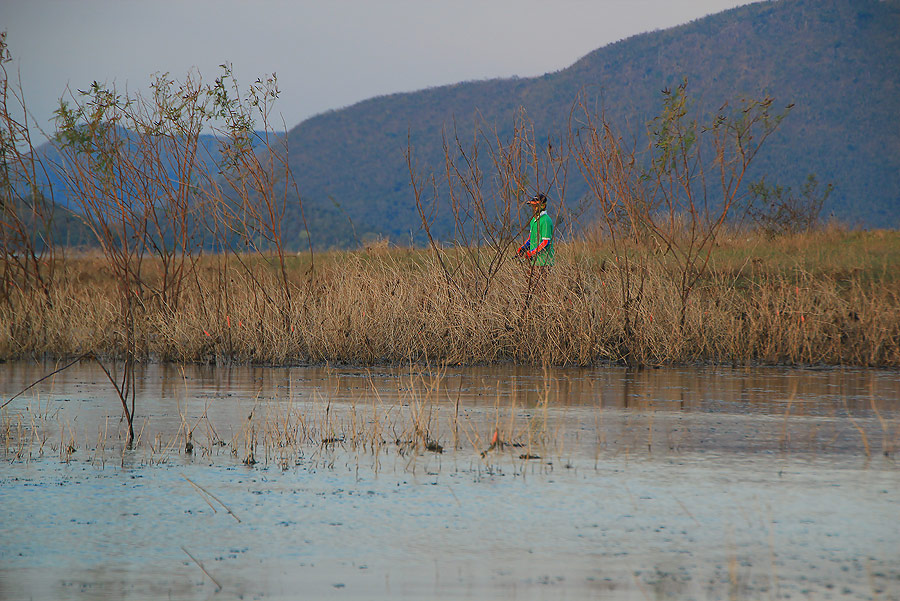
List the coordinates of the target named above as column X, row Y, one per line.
column 122, row 392
column 33, row 384
column 862, row 433
column 129, row 415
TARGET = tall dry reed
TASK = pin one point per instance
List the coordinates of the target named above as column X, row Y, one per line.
column 388, row 305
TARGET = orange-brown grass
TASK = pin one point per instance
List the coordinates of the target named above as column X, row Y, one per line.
column 829, row 297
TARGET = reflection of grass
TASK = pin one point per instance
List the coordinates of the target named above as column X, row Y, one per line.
column 824, row 298
column 413, row 426
column 422, row 422
column 890, row 431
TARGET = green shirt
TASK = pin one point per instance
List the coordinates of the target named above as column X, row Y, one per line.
column 542, row 229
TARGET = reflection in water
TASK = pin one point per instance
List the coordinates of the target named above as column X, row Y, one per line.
column 659, row 483
column 709, row 389
column 588, row 411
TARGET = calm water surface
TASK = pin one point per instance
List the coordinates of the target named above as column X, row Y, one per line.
column 691, row 483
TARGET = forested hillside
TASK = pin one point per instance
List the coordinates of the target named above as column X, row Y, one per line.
column 838, row 62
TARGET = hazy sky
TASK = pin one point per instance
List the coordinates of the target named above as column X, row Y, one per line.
column 327, row 53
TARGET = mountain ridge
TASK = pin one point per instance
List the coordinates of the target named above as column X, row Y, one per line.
column 822, row 58
column 838, row 63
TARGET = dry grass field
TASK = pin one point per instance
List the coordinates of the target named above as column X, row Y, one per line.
column 829, row 297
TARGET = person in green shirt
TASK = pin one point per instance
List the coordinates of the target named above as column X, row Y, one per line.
column 539, row 246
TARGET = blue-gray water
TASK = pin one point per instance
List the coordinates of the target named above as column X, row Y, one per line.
column 674, row 483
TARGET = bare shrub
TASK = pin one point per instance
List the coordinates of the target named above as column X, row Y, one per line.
column 485, row 196
column 670, row 199
column 778, row 212
column 27, row 251
column 136, row 168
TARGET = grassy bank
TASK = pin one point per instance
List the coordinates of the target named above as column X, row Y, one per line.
column 831, row 297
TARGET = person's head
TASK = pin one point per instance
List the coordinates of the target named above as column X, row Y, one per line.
column 538, row 203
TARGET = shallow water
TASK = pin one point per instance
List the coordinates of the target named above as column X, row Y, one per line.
column 672, row 483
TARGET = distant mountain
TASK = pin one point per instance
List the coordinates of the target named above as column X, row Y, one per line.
column 837, row 61
column 207, row 157
column 68, row 228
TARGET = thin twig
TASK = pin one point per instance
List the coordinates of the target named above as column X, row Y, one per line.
column 200, row 565
column 228, row 509
column 202, row 496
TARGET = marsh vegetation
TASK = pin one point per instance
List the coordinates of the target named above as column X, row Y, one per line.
column 824, row 298
column 671, row 259
column 660, row 263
